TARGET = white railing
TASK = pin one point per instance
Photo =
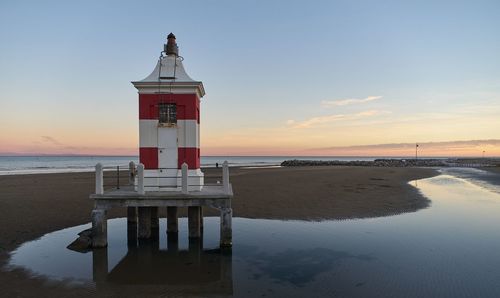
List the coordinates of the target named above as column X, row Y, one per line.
column 99, row 180
column 225, row 177
column 184, row 178
column 140, row 179
column 137, row 172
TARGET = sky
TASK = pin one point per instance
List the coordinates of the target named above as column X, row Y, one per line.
column 358, row 78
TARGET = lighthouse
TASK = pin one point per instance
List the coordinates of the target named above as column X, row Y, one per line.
column 168, row 174
column 169, row 123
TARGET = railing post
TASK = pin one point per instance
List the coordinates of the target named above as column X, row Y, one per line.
column 225, row 176
column 99, row 183
column 184, row 180
column 131, row 173
column 140, row 179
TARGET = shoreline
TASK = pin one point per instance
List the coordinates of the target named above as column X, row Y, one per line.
column 305, row 161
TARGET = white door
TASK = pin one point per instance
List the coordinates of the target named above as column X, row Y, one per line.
column 167, row 156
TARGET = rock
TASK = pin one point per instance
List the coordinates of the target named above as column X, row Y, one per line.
column 83, row 243
column 87, row 233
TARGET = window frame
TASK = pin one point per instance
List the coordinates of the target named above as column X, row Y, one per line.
column 167, row 114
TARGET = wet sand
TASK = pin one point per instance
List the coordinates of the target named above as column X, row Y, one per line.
column 32, row 205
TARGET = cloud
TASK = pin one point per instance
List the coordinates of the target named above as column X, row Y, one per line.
column 47, row 145
column 446, row 148
column 315, row 121
column 51, row 140
column 56, row 144
column 348, row 101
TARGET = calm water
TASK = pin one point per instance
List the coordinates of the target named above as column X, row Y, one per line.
column 57, row 164
column 451, row 249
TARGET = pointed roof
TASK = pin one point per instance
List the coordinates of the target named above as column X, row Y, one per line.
column 168, row 69
column 169, row 72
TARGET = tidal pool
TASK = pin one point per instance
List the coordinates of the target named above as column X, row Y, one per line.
column 451, row 249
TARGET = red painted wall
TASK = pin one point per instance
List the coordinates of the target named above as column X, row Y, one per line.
column 188, row 108
column 149, row 157
column 188, row 105
column 191, row 156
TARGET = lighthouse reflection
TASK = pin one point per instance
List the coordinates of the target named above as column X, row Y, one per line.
column 188, row 271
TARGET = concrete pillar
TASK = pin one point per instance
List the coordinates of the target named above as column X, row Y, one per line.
column 155, row 221
column 140, row 179
column 99, row 180
column 226, row 230
column 194, row 222
column 184, row 178
column 99, row 228
column 172, row 220
column 132, row 215
column 144, row 231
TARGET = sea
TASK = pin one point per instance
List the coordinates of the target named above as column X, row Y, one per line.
column 17, row 165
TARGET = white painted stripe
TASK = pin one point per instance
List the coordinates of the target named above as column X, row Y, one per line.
column 175, row 172
column 148, row 133
column 188, row 134
column 171, row 180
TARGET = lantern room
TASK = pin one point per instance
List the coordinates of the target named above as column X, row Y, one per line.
column 169, row 123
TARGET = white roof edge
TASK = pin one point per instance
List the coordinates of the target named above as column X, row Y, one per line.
column 171, row 84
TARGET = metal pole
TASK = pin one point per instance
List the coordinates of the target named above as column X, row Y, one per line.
column 416, row 153
column 117, row 177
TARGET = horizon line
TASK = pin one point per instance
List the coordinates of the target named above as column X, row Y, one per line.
column 330, row 156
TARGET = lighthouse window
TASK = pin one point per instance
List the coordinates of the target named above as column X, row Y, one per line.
column 167, row 114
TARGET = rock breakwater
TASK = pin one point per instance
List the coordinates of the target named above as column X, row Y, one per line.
column 427, row 162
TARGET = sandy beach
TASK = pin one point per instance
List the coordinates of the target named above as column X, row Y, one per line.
column 32, row 205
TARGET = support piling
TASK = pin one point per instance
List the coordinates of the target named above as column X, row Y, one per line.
column 172, row 220
column 194, row 221
column 99, row 228
column 144, row 231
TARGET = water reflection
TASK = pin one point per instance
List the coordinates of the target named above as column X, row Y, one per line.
column 483, row 178
column 194, row 271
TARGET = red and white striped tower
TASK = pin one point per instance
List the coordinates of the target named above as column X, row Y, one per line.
column 169, row 123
